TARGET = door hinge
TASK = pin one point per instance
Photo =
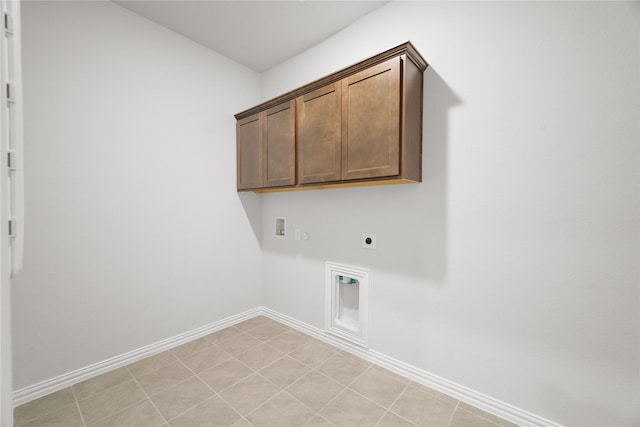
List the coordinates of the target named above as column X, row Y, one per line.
column 12, row 228
column 11, row 160
column 7, row 23
column 11, row 92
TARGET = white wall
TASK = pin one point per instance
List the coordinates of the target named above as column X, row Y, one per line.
column 135, row 232
column 513, row 268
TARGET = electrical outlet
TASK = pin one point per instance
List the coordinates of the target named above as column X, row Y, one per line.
column 369, row 241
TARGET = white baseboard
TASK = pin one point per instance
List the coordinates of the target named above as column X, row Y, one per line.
column 464, row 394
column 60, row 382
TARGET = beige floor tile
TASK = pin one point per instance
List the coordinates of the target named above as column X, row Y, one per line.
column 281, row 411
column 479, row 412
column 239, row 344
column 376, row 386
column 207, row 358
column 392, row 420
column 225, row 374
column 319, row 421
column 315, row 390
column 349, row 409
column 260, row 356
column 267, row 331
column 249, row 393
column 164, row 378
column 393, row 375
column 352, row 356
column 151, row 363
column 181, row 397
column 100, row 383
column 288, row 341
column 342, row 369
column 313, row 353
column 285, row 371
column 462, row 418
column 434, row 393
column 143, row 414
column 252, row 323
column 250, row 369
column 422, row 408
column 42, row 406
column 223, row 335
column 191, row 347
column 67, row 416
column 102, row 405
column 213, row 412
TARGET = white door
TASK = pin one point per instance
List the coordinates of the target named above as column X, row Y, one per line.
column 11, row 185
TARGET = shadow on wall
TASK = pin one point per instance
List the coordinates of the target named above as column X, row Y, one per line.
column 431, row 219
column 410, row 220
column 252, row 205
column 557, row 401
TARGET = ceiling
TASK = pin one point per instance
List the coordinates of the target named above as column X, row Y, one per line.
column 258, row 34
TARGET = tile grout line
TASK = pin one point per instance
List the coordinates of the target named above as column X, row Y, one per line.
column 313, row 369
column 75, row 400
column 57, row 408
column 200, row 379
column 282, row 389
column 345, row 386
column 253, row 372
column 480, row 416
column 215, row 393
column 118, row 411
column 387, row 410
column 104, row 391
column 157, row 368
column 406, row 386
column 453, row 413
column 147, row 395
column 196, row 405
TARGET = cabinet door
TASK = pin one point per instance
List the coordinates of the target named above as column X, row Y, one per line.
column 371, row 122
column 319, row 123
column 249, row 152
column 280, row 145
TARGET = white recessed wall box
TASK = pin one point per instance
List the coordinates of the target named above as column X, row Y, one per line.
column 346, row 303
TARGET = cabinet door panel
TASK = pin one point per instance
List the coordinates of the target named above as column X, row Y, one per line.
column 319, row 123
column 371, row 122
column 249, row 152
column 280, row 145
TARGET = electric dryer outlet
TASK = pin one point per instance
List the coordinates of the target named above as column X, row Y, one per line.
column 369, row 240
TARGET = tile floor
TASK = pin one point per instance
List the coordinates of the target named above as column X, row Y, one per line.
column 256, row 373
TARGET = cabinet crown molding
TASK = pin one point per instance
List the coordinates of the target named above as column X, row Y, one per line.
column 405, row 48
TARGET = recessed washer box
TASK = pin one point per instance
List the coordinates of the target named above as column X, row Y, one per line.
column 346, row 305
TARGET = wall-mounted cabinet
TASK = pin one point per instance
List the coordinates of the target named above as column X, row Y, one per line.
column 266, row 148
column 359, row 126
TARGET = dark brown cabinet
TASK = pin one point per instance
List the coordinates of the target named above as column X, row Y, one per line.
column 279, row 144
column 359, row 126
column 371, row 122
column 266, row 148
column 249, row 152
column 319, row 135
